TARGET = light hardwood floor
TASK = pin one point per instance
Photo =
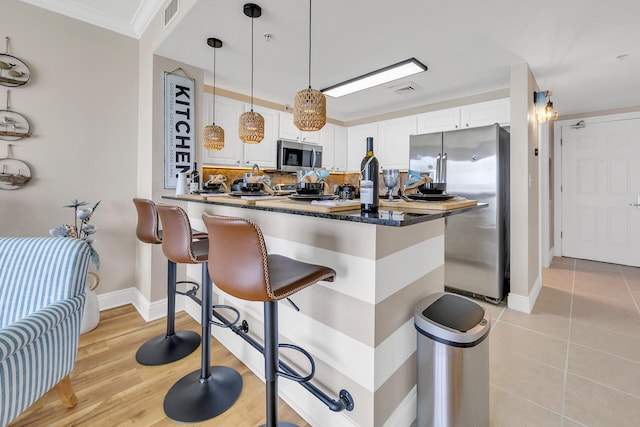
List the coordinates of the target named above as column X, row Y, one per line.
column 114, row 390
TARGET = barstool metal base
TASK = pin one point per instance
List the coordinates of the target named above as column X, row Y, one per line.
column 282, row 424
column 192, row 399
column 165, row 349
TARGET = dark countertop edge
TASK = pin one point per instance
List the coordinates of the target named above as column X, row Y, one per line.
column 410, row 218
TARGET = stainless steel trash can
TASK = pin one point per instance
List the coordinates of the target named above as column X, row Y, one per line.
column 453, row 362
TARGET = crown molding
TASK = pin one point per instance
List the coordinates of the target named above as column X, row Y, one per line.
column 133, row 27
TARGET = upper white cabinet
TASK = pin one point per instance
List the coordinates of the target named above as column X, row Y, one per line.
column 439, row 121
column 356, row 144
column 334, row 147
column 340, row 150
column 263, row 154
column 486, row 113
column 228, row 113
column 473, row 115
column 393, row 142
column 288, row 130
column 235, row 152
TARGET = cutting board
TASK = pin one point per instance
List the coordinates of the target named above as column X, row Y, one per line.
column 429, row 206
column 304, row 206
column 191, row 196
column 242, row 201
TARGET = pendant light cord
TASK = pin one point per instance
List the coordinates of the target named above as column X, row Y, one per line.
column 214, row 86
column 309, row 44
column 252, row 18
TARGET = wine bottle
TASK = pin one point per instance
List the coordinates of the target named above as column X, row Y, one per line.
column 369, row 192
column 195, row 179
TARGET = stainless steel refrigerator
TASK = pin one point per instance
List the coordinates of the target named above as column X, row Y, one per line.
column 474, row 163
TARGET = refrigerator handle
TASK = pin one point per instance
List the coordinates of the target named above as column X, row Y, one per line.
column 443, row 173
column 438, row 166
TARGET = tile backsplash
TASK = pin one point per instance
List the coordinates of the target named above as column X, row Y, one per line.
column 333, row 180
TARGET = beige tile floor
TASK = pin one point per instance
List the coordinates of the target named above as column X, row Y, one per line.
column 575, row 360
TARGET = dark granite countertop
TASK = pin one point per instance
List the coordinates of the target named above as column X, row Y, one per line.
column 393, row 218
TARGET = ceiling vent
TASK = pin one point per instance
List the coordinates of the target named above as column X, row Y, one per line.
column 406, row 88
column 170, row 11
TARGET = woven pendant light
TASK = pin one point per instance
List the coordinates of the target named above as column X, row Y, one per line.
column 251, row 124
column 213, row 134
column 310, row 105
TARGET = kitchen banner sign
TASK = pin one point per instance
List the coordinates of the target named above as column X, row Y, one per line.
column 179, row 113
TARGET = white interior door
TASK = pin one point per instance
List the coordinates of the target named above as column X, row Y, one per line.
column 600, row 185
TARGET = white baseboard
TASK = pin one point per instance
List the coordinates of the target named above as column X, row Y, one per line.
column 148, row 310
column 525, row 303
column 405, row 413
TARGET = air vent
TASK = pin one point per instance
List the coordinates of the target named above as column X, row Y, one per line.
column 406, row 88
column 170, row 11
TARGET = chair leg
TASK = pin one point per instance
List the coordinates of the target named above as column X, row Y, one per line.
column 173, row 345
column 65, row 392
column 211, row 390
column 271, row 361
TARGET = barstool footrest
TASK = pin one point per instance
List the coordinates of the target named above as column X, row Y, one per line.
column 224, row 324
column 191, row 292
column 297, row 378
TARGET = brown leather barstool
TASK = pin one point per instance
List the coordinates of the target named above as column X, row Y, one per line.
column 240, row 266
column 210, row 391
column 173, row 345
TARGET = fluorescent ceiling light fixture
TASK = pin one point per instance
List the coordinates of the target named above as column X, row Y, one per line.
column 375, row 78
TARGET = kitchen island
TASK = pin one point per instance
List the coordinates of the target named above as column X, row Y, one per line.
column 359, row 328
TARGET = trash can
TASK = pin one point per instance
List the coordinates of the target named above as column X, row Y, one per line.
column 453, row 362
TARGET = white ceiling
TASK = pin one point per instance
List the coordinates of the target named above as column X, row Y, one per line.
column 572, row 46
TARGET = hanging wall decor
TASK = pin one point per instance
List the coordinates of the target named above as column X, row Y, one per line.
column 13, row 126
column 13, row 71
column 179, row 126
column 14, row 173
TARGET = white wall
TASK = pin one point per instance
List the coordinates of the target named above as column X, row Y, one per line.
column 82, row 106
column 151, row 263
column 525, row 229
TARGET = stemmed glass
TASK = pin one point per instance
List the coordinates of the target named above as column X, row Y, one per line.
column 390, row 179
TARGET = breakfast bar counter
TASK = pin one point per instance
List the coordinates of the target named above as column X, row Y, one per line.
column 389, row 215
column 359, row 328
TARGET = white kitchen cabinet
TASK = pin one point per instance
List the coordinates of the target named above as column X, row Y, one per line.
column 468, row 116
column 288, row 130
column 235, row 152
column 228, row 113
column 340, row 149
column 334, row 147
column 263, row 154
column 439, row 121
column 486, row 113
column 393, row 142
column 356, row 144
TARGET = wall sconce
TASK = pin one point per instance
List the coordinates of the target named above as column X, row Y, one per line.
column 544, row 106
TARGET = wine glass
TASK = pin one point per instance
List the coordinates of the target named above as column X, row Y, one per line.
column 390, row 179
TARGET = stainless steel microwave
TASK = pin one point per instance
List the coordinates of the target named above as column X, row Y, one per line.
column 293, row 156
